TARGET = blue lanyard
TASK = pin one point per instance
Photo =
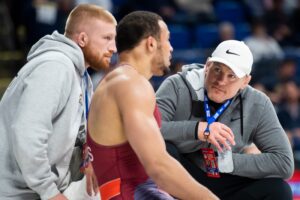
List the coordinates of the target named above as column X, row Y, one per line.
column 86, row 94
column 86, row 159
column 210, row 119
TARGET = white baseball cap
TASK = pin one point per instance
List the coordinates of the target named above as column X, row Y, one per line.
column 236, row 55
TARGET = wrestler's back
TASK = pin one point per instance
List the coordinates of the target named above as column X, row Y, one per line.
column 105, row 121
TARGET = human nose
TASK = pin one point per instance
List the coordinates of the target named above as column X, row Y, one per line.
column 222, row 80
column 171, row 48
column 112, row 46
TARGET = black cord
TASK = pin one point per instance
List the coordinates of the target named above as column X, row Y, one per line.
column 241, row 115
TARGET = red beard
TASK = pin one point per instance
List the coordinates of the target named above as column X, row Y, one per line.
column 95, row 60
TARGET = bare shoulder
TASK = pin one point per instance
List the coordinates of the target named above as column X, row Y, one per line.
column 128, row 87
column 127, row 82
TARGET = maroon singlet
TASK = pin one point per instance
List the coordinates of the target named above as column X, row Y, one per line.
column 119, row 161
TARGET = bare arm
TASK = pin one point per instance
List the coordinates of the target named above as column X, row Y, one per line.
column 91, row 180
column 136, row 102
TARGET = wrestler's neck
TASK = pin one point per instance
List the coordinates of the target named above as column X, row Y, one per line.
column 138, row 62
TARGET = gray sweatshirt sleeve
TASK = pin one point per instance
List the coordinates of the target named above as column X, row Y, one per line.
column 179, row 131
column 276, row 159
column 44, row 90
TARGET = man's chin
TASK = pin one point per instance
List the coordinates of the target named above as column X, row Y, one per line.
column 162, row 72
column 101, row 66
column 217, row 98
column 105, row 66
column 166, row 71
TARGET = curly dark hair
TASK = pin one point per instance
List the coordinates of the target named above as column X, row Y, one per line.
column 136, row 26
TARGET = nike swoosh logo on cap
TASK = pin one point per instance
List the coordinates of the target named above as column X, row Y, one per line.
column 229, row 52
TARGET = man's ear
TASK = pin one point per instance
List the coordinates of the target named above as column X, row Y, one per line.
column 207, row 65
column 82, row 39
column 151, row 43
column 246, row 81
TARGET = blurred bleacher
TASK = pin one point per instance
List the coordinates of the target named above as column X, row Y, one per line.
column 192, row 43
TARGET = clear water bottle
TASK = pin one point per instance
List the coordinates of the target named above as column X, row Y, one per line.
column 225, row 161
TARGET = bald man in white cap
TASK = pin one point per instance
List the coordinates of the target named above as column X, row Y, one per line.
column 210, row 117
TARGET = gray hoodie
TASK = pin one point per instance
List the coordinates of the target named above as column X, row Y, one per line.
column 180, row 100
column 41, row 112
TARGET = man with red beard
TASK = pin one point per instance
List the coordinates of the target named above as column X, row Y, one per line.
column 44, row 109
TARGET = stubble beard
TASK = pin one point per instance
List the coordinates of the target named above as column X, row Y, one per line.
column 164, row 69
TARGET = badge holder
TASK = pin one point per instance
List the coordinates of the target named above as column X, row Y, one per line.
column 210, row 159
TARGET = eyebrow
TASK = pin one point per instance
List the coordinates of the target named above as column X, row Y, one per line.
column 217, row 64
column 221, row 65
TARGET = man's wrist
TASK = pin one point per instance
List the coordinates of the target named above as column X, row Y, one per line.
column 206, row 133
column 201, row 128
column 87, row 158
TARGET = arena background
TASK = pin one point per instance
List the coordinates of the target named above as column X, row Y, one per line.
column 271, row 28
